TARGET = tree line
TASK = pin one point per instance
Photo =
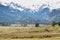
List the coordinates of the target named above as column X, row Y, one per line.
column 55, row 23
column 36, row 24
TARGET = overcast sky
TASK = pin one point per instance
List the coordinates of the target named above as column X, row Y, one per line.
column 38, row 3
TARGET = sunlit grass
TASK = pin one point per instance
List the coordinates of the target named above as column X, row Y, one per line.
column 16, row 33
column 31, row 39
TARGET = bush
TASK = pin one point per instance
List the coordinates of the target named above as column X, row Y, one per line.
column 54, row 23
column 59, row 23
column 37, row 25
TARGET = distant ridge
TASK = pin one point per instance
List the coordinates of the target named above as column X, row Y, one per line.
column 12, row 14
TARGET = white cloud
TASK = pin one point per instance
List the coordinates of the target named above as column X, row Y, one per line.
column 37, row 3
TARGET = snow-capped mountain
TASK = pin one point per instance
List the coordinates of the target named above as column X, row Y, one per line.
column 14, row 13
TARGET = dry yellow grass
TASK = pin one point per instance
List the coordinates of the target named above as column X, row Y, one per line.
column 28, row 32
column 33, row 39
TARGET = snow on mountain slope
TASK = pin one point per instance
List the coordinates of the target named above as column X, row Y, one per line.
column 15, row 13
column 33, row 4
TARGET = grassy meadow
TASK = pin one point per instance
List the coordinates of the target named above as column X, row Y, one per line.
column 47, row 32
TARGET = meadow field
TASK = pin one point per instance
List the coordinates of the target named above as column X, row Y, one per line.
column 30, row 33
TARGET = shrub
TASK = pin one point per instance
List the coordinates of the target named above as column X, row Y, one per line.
column 53, row 23
column 37, row 25
column 59, row 23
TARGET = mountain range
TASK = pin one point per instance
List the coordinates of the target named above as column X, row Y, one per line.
column 14, row 13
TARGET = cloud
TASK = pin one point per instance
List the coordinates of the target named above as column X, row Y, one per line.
column 37, row 3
